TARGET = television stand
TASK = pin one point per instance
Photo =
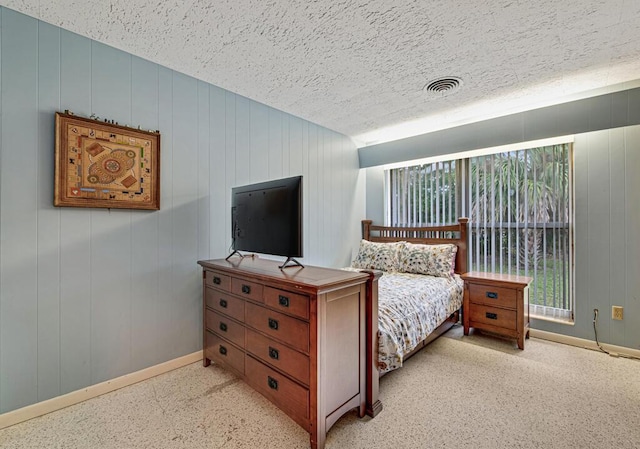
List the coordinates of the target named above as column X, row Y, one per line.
column 290, row 262
column 235, row 251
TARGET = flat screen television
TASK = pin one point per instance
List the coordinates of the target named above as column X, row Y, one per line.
column 266, row 218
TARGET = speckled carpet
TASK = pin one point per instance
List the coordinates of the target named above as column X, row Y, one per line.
column 473, row 391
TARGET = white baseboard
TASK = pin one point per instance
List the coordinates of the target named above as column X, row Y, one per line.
column 583, row 343
column 74, row 397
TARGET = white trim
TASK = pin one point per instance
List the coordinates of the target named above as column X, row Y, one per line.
column 583, row 343
column 90, row 392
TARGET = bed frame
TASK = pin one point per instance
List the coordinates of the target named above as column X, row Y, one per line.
column 456, row 234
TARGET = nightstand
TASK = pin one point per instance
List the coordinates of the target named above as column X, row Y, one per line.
column 497, row 303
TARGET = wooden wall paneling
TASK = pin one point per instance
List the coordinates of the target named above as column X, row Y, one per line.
column 75, row 231
column 581, row 234
column 165, row 217
column 259, row 142
column 631, row 237
column 327, row 190
column 145, row 229
column 219, row 214
column 48, row 265
column 275, row 144
column 230, row 158
column 293, row 164
column 111, row 237
column 186, row 276
column 617, row 272
column 243, row 150
column 313, row 196
column 305, row 187
column 204, row 181
column 285, row 151
column 18, row 211
column 1, row 256
column 599, row 234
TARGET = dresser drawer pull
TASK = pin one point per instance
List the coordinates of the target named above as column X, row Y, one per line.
column 216, row 280
column 246, row 289
column 223, row 327
column 283, row 301
column 273, row 324
column 223, row 303
column 222, row 350
column 492, row 316
column 492, row 295
column 273, row 353
column 273, row 384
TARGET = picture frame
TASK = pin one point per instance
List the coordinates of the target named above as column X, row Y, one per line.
column 102, row 164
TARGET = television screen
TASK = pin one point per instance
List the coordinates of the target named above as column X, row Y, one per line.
column 267, row 217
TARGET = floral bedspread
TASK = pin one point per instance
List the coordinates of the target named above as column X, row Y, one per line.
column 410, row 307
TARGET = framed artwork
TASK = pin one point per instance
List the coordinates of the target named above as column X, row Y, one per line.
column 100, row 164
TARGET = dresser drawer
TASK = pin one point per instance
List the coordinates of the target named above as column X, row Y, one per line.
column 493, row 316
column 217, row 280
column 226, row 304
column 222, row 351
column 247, row 289
column 290, row 397
column 289, row 330
column 225, row 327
column 493, row 296
column 276, row 354
column 287, row 302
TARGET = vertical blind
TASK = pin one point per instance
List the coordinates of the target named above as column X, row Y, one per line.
column 519, row 206
column 424, row 195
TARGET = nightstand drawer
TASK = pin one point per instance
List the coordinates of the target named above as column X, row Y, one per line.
column 493, row 316
column 225, row 327
column 276, row 354
column 220, row 350
column 493, row 296
column 217, row 280
column 225, row 304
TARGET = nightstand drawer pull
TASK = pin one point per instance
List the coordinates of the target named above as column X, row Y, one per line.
column 223, row 350
column 246, row 289
column 283, row 301
column 216, row 280
column 223, row 327
column 273, row 384
column 223, row 303
column 273, row 353
column 273, row 324
column 491, row 316
column 492, row 295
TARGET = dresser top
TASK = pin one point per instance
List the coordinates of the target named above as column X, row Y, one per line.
column 315, row 278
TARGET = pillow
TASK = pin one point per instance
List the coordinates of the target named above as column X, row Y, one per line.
column 434, row 260
column 378, row 255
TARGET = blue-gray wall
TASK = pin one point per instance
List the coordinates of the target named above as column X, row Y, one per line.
column 607, row 199
column 87, row 295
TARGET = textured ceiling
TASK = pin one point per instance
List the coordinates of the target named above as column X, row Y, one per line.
column 359, row 67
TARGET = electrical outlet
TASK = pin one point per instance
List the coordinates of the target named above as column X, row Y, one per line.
column 617, row 312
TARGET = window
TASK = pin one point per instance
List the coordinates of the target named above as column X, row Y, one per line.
column 519, row 205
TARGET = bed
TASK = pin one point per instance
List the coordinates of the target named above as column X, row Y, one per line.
column 415, row 292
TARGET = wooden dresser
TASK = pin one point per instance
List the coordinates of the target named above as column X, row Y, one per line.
column 297, row 335
column 497, row 303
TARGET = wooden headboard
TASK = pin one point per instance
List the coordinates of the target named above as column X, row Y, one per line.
column 430, row 235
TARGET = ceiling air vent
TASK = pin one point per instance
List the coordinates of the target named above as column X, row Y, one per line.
column 443, row 86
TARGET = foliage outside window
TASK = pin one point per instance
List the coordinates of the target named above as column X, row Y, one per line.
column 519, row 205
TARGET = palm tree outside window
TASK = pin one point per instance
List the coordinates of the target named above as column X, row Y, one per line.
column 520, row 210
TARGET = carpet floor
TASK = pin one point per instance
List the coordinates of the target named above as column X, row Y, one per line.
column 473, row 391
